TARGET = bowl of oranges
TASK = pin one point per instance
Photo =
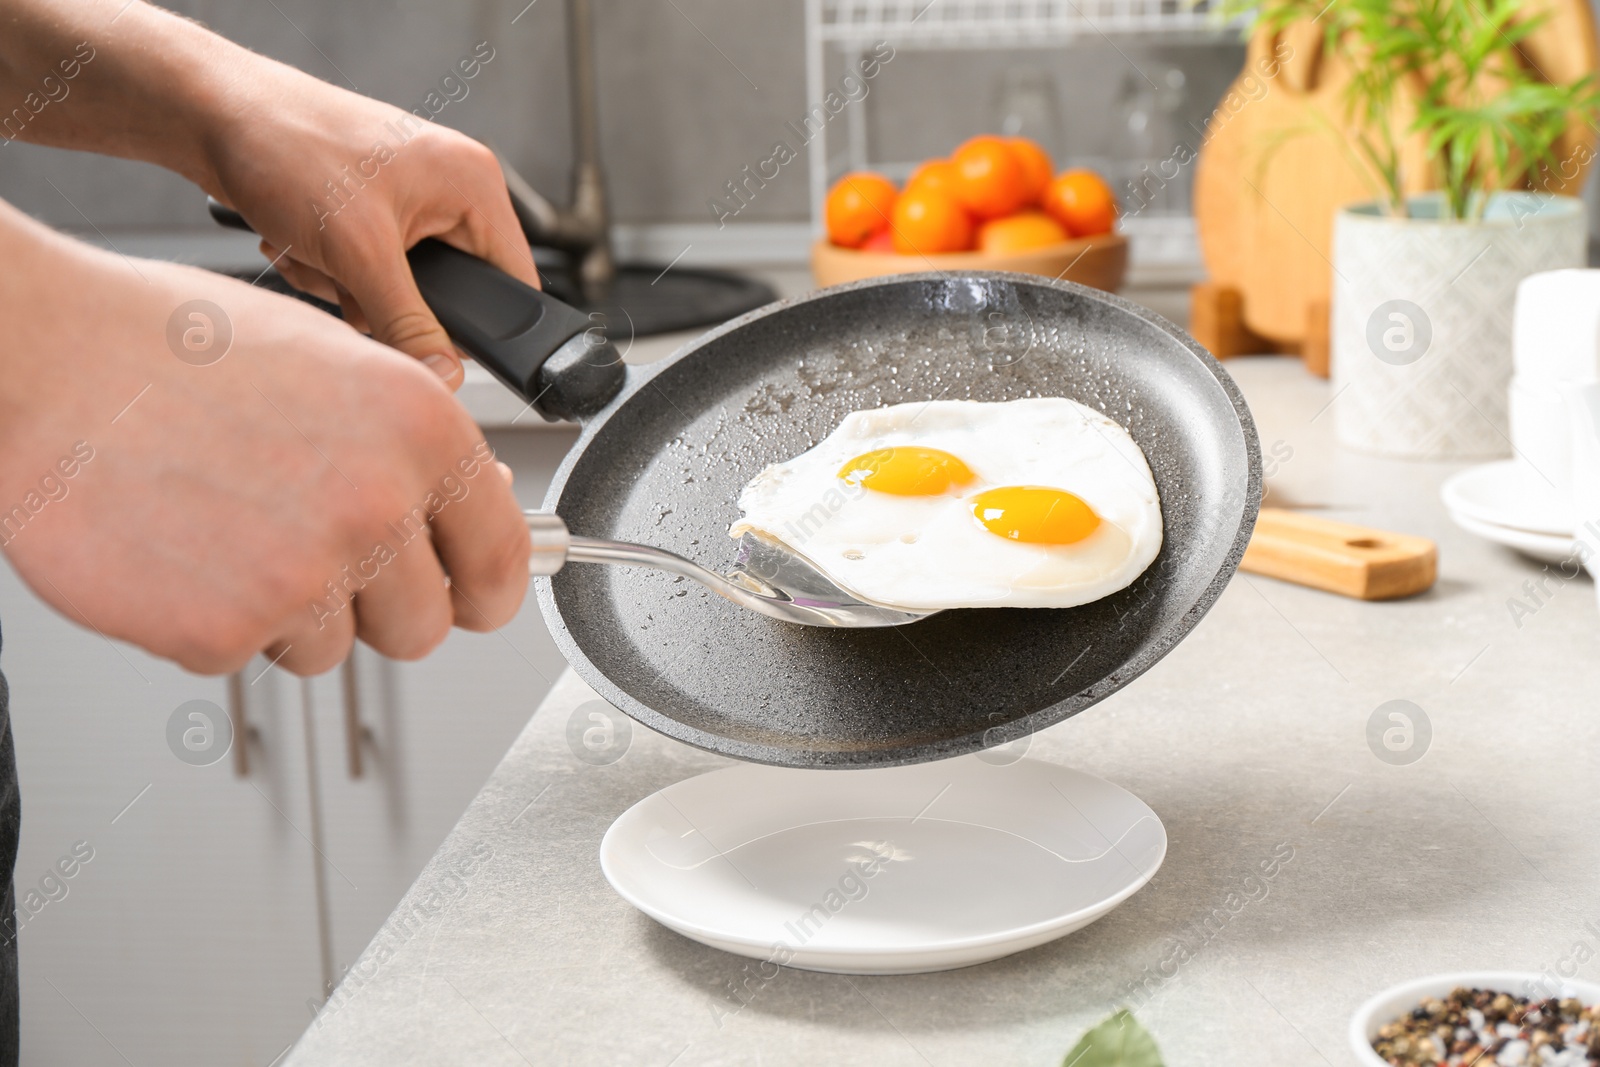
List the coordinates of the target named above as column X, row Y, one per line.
column 995, row 204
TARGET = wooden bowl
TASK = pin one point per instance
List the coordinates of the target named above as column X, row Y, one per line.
column 1099, row 262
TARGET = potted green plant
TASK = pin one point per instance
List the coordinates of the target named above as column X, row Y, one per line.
column 1424, row 285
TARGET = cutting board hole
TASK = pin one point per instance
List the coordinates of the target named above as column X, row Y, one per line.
column 1365, row 542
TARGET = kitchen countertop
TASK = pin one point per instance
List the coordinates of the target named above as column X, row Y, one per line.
column 1249, row 740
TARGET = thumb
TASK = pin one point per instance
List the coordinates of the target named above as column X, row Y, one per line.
column 398, row 316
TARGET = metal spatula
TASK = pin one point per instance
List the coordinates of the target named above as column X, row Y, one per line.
column 768, row 577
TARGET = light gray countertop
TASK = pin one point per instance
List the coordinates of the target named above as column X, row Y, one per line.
column 1249, row 738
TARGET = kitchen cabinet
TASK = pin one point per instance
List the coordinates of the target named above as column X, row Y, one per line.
column 190, row 933
column 194, row 934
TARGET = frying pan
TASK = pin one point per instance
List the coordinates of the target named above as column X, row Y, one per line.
column 663, row 463
column 667, row 447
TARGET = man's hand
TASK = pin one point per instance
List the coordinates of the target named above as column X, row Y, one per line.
column 339, row 186
column 289, row 491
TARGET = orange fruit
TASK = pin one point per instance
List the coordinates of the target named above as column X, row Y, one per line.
column 927, row 221
column 882, row 241
column 1036, row 165
column 1020, row 233
column 937, row 174
column 858, row 206
column 990, row 179
column 1082, row 202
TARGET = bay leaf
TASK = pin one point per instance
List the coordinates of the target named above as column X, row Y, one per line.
column 1117, row 1041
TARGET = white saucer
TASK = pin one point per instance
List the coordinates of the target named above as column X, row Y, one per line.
column 1503, row 493
column 897, row 870
column 1547, row 548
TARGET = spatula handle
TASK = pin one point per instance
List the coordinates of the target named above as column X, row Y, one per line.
column 551, row 542
column 546, row 351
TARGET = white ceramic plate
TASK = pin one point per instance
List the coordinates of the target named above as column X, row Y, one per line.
column 1546, row 548
column 894, row 870
column 1503, row 493
column 1399, row 1000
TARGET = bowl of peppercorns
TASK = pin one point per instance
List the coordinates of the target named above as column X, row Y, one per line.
column 1481, row 1019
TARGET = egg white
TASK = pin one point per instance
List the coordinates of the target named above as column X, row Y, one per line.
column 930, row 552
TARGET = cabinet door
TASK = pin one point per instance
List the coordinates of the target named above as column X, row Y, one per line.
column 433, row 730
column 190, row 937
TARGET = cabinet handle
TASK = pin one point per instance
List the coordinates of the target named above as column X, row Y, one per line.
column 319, row 857
column 355, row 733
column 241, row 725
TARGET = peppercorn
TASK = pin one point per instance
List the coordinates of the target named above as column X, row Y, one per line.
column 1474, row 1026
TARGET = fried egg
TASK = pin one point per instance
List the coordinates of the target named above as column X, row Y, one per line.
column 1040, row 502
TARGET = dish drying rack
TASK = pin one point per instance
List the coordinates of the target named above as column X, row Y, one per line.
column 853, row 27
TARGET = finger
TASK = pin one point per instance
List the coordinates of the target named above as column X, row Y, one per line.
column 351, row 311
column 316, row 638
column 379, row 279
column 490, row 230
column 404, row 612
column 474, row 234
column 482, row 540
column 304, row 278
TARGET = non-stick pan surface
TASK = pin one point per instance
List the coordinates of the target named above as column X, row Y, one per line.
column 664, row 463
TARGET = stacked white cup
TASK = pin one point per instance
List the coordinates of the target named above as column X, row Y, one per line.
column 1583, row 406
column 1555, row 347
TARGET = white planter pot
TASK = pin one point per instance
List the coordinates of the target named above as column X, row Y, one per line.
column 1422, row 319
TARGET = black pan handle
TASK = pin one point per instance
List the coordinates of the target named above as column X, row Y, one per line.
column 546, row 351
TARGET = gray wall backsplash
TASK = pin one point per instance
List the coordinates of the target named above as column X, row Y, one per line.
column 690, row 92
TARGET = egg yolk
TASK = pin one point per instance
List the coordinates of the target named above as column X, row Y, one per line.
column 1035, row 514
column 907, row 471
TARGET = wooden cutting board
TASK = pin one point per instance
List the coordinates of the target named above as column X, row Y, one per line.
column 1353, row 561
column 1276, row 166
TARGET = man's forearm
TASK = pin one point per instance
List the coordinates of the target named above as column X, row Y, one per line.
column 125, row 79
column 41, row 315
